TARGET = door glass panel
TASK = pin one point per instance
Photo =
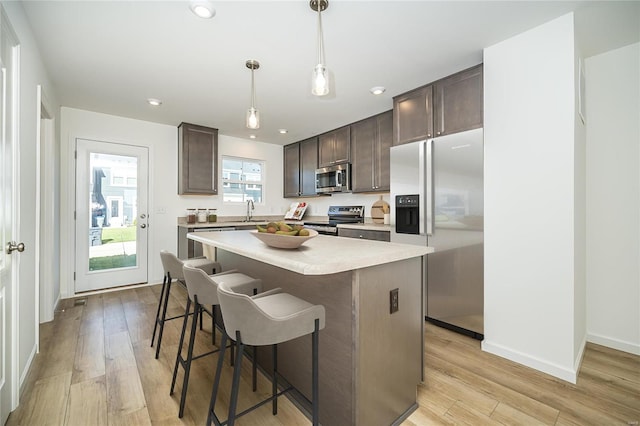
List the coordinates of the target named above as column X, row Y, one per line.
column 113, row 198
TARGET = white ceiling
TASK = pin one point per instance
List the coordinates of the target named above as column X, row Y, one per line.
column 110, row 56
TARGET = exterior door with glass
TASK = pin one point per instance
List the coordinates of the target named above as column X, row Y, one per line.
column 111, row 215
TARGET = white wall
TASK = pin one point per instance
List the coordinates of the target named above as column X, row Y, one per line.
column 32, row 74
column 530, row 204
column 613, row 198
column 165, row 205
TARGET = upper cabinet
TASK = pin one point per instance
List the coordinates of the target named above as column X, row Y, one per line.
column 370, row 145
column 413, row 115
column 300, row 164
column 451, row 105
column 458, row 102
column 334, row 147
column 197, row 159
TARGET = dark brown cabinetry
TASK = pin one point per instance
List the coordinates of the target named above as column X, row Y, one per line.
column 458, row 102
column 334, row 147
column 300, row 164
column 197, row 159
column 370, row 144
column 451, row 105
column 413, row 116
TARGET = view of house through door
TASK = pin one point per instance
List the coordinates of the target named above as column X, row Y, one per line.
column 9, row 186
column 111, row 215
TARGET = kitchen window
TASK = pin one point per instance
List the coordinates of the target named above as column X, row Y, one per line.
column 242, row 180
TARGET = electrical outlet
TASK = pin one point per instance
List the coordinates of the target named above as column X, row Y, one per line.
column 393, row 300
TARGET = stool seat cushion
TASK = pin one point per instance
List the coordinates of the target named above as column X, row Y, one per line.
column 205, row 286
column 267, row 320
column 173, row 266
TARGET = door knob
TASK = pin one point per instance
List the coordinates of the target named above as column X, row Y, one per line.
column 143, row 216
column 12, row 246
column 144, row 225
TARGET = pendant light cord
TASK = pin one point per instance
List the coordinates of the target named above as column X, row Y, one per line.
column 320, row 36
column 253, row 91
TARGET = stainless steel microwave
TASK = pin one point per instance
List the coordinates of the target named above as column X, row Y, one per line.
column 333, row 179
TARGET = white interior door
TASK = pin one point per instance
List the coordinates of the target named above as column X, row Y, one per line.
column 8, row 224
column 111, row 214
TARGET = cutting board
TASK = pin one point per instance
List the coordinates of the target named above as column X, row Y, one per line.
column 378, row 210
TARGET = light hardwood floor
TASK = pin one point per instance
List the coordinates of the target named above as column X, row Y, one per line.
column 96, row 368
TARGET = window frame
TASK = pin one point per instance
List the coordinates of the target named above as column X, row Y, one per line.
column 224, row 181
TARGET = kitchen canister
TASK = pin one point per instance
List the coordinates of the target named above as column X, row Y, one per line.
column 191, row 215
column 202, row 215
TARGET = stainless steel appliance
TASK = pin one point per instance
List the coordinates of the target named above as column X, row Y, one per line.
column 437, row 188
column 333, row 179
column 337, row 215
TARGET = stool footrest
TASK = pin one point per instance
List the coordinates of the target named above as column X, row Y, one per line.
column 253, row 407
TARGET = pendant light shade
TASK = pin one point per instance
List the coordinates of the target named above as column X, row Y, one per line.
column 320, row 75
column 253, row 115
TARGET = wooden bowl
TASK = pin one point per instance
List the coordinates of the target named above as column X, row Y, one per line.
column 283, row 241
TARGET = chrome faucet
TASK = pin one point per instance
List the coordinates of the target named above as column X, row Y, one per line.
column 250, row 208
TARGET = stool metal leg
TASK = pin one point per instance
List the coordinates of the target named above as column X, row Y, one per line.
column 274, row 382
column 254, row 372
column 213, row 325
column 187, row 367
column 211, row 417
column 179, row 355
column 155, row 326
column 164, row 313
column 314, row 368
column 236, row 381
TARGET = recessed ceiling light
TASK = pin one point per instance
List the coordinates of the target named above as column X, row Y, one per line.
column 202, row 8
column 154, row 102
column 283, row 131
column 378, row 90
column 252, row 136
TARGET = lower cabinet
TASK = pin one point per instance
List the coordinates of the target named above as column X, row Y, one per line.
column 365, row 234
column 188, row 248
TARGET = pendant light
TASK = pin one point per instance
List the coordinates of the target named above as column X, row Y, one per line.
column 320, row 75
column 253, row 116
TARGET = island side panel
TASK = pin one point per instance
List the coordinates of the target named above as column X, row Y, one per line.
column 336, row 357
column 389, row 346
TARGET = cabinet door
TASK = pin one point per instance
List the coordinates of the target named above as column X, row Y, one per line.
column 308, row 166
column 363, row 135
column 334, row 147
column 413, row 116
column 384, row 140
column 291, row 170
column 459, row 102
column 197, row 159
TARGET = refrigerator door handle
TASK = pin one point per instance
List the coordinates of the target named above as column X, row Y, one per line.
column 428, row 182
column 422, row 170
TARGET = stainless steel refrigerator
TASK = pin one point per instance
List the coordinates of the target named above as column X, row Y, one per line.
column 437, row 196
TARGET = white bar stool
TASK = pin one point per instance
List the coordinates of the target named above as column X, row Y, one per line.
column 267, row 318
column 173, row 270
column 203, row 290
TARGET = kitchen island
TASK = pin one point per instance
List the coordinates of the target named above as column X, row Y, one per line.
column 371, row 360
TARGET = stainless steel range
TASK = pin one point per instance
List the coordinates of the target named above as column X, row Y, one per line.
column 337, row 215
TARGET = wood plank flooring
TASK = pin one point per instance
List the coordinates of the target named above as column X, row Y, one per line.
column 96, row 367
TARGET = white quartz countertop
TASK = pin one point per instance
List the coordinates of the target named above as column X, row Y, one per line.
column 317, row 256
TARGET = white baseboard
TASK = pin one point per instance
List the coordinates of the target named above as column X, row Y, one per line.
column 569, row 375
column 610, row 342
column 27, row 367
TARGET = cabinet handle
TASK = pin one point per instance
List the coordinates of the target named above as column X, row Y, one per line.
column 438, row 133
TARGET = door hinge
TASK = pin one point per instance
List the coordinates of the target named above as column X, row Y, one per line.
column 74, row 276
column 75, row 154
column 74, row 215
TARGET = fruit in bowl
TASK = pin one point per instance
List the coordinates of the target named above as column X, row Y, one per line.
column 279, row 237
